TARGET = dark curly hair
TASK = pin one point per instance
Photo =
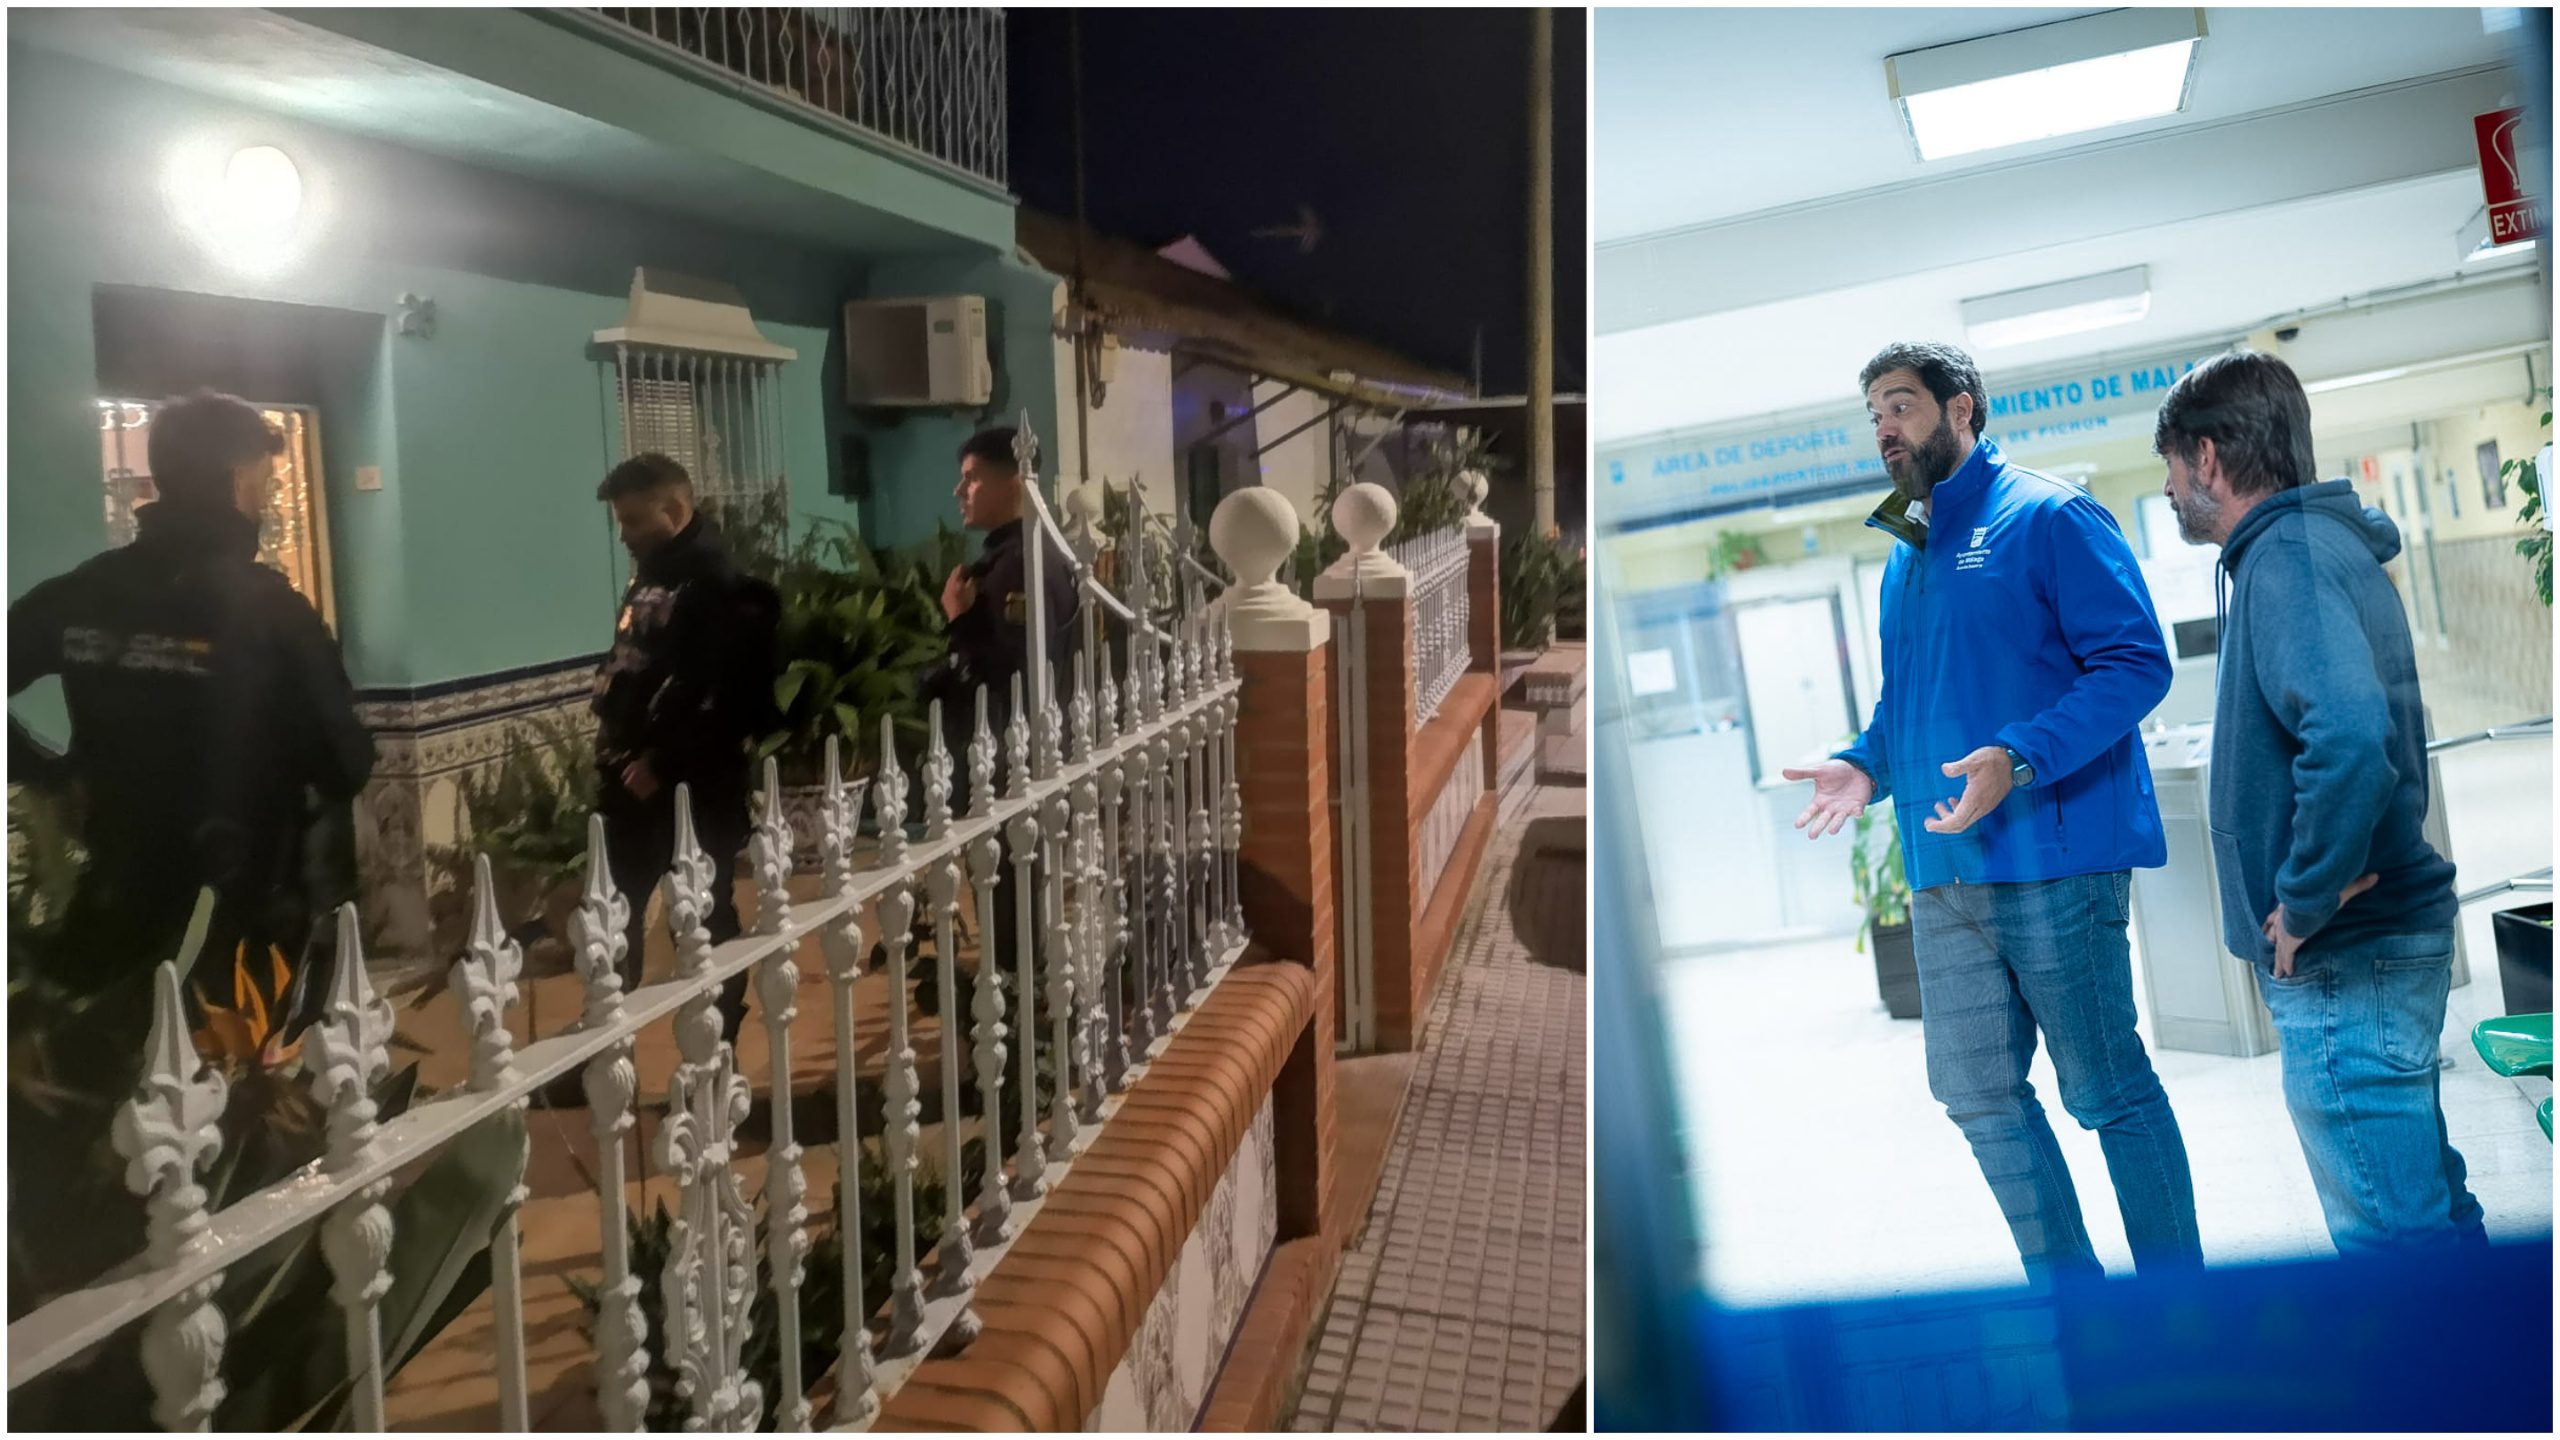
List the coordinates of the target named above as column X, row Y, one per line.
column 1946, row 370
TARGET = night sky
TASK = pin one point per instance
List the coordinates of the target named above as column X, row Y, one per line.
column 1406, row 130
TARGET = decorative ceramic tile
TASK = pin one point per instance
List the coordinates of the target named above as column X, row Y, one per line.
column 1229, row 1279
column 1193, row 1357
column 1150, row 1360
column 1268, row 1184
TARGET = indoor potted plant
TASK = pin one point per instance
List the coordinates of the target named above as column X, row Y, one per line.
column 1885, row 896
column 2524, row 933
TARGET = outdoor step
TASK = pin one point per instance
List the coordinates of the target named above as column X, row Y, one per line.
column 1559, row 677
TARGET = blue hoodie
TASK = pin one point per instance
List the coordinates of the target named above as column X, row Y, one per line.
column 2319, row 747
column 2019, row 619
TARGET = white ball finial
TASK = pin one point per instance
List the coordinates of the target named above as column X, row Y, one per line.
column 1363, row 515
column 1083, row 508
column 1473, row 485
column 1254, row 530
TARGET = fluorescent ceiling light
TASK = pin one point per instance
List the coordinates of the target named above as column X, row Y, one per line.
column 2069, row 307
column 2350, row 382
column 2059, row 79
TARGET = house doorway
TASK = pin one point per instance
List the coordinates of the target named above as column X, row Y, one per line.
column 293, row 534
column 310, row 370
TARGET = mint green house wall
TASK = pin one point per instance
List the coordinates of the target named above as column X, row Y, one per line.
column 1019, row 327
column 484, row 551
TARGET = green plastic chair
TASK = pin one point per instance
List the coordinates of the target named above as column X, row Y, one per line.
column 2516, row 1045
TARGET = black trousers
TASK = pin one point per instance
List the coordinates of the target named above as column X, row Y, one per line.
column 640, row 839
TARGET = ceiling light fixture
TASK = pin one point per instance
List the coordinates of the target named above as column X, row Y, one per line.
column 2060, row 79
column 2067, row 307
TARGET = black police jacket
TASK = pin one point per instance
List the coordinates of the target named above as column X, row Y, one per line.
column 689, row 681
column 211, row 718
column 991, row 640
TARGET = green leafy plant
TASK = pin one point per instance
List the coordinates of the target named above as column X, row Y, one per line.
column 285, row 1359
column 528, row 814
column 859, row 629
column 77, row 1024
column 1431, row 500
column 1542, row 591
column 1734, row 551
column 821, row 1284
column 2535, row 547
column 1128, row 533
column 45, row 858
column 1876, row 877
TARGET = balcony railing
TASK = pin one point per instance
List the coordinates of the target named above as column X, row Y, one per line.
column 928, row 80
column 1117, row 834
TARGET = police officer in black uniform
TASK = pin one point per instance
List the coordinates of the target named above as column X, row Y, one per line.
column 213, row 728
column 685, row 690
column 987, row 605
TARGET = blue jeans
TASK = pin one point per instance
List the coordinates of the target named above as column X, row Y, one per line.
column 2358, row 1029
column 2000, row 963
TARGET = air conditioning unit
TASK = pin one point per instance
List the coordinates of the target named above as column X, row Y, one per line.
column 926, row 351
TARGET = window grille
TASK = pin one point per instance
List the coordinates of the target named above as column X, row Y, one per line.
column 713, row 414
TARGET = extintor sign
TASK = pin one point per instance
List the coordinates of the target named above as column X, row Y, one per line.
column 2514, row 214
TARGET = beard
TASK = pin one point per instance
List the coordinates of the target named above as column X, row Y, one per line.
column 1919, row 471
column 2199, row 517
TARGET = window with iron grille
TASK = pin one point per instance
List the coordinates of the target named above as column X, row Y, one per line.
column 712, row 414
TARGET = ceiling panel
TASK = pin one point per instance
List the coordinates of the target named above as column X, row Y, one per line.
column 2211, row 277
column 1703, row 115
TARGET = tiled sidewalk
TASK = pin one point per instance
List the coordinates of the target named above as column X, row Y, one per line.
column 1462, row 1306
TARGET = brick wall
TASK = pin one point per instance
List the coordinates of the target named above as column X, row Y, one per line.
column 1287, row 877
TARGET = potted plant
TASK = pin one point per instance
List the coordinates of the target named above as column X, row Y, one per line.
column 528, row 814
column 2535, row 516
column 2524, row 957
column 1734, row 552
column 858, row 631
column 2524, row 933
column 1885, row 896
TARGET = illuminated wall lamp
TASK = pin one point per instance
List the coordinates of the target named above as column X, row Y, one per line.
column 2067, row 307
column 2111, row 68
column 247, row 205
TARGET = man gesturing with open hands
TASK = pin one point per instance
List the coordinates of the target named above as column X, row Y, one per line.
column 2020, row 657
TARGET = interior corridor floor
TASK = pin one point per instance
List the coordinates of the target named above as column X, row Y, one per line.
column 1461, row 1307
column 1821, row 1167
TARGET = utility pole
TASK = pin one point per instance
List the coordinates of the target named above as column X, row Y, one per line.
column 1542, row 244
column 1078, row 306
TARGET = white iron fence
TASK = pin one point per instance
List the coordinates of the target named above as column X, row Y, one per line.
column 1117, row 830
column 930, row 80
column 1438, row 562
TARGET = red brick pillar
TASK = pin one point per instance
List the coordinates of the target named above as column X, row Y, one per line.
column 1375, row 598
column 1284, row 657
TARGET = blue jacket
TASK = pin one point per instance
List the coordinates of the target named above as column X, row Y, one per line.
column 2020, row 619
column 2319, row 746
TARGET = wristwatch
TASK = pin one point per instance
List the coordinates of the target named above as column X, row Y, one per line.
column 2021, row 774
